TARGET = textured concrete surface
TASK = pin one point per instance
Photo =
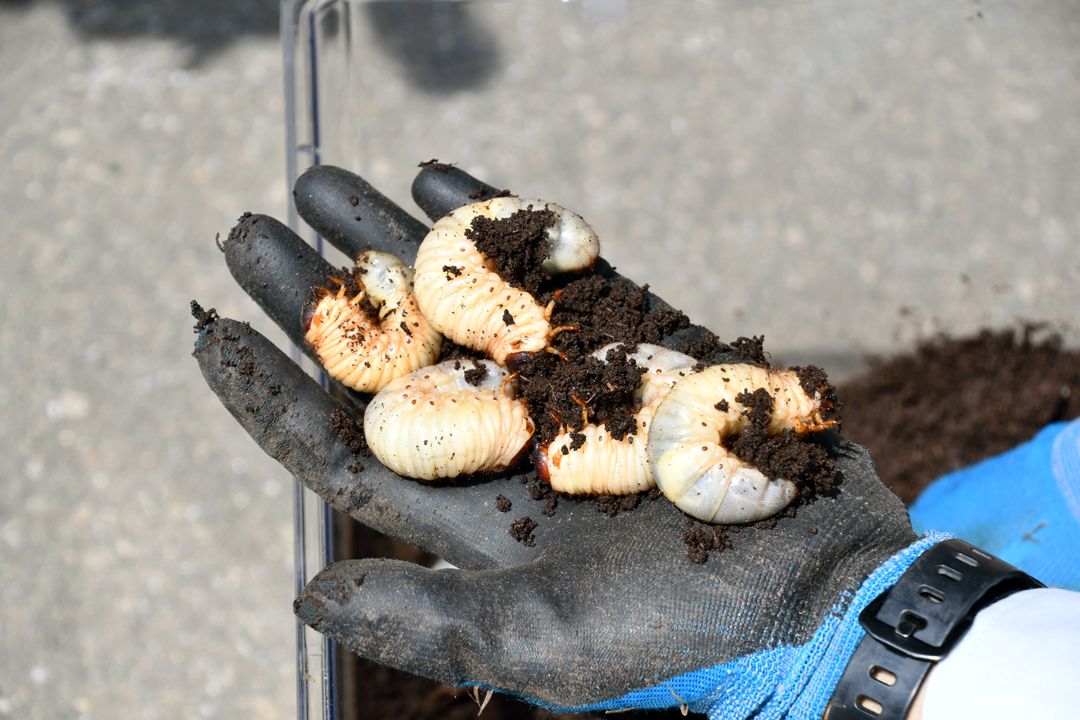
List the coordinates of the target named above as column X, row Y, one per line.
column 145, row 542
column 841, row 177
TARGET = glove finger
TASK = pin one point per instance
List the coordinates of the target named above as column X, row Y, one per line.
column 289, row 416
column 440, row 189
column 494, row 628
column 350, row 213
column 277, row 269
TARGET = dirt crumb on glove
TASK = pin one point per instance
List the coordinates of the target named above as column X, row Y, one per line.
column 350, row 431
column 522, row 531
column 543, row 491
column 502, row 503
column 700, row 540
column 752, row 351
column 610, row 505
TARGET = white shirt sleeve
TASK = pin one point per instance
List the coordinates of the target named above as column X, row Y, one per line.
column 1020, row 659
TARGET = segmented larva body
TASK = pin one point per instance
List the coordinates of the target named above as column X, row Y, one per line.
column 433, row 424
column 463, row 296
column 352, row 346
column 686, row 450
column 603, row 465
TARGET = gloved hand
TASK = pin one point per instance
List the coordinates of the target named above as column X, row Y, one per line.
column 1022, row 506
column 602, row 613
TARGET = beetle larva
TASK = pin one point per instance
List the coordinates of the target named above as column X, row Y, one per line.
column 462, row 295
column 686, row 451
column 364, row 350
column 432, row 423
column 601, row 464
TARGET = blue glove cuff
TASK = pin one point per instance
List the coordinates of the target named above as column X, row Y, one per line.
column 784, row 682
column 1022, row 506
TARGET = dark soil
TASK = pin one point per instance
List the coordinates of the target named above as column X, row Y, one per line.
column 476, row 375
column 953, row 402
column 202, row 317
column 518, row 245
column 700, row 539
column 586, row 387
column 522, row 530
column 350, row 430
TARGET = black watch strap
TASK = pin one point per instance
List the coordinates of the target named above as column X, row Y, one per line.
column 915, row 624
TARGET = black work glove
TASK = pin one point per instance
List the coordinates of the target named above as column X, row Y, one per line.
column 602, row 612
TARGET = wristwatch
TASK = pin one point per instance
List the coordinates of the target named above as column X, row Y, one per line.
column 917, row 623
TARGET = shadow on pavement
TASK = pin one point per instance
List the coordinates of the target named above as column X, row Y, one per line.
column 442, row 46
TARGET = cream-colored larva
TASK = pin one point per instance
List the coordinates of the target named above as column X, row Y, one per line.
column 464, row 298
column 686, row 452
column 432, row 423
column 603, row 465
column 360, row 350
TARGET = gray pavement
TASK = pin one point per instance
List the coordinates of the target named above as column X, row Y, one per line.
column 841, row 177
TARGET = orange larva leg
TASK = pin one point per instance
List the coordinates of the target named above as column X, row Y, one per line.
column 556, row 330
column 553, row 351
column 802, row 426
column 360, row 296
column 509, row 378
column 551, row 305
column 584, row 409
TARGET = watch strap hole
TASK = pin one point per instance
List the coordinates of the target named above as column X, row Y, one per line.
column 946, row 571
column 870, row 705
column 967, row 560
column 882, row 675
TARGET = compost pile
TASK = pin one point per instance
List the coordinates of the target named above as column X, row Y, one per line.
column 954, row 402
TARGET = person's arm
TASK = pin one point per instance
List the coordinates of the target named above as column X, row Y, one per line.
column 1020, row 659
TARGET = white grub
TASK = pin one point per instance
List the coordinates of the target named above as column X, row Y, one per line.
column 603, row 465
column 463, row 296
column 433, row 424
column 355, row 349
column 686, row 451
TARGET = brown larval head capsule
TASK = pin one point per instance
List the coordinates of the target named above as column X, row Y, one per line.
column 435, row 423
column 378, row 334
column 462, row 295
column 686, row 450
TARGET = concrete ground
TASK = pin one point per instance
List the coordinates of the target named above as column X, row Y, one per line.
column 841, row 177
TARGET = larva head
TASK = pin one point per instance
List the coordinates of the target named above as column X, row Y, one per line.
column 310, row 314
column 813, row 381
column 516, row 362
column 544, row 463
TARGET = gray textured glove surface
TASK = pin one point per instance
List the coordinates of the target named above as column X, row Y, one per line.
column 600, row 606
